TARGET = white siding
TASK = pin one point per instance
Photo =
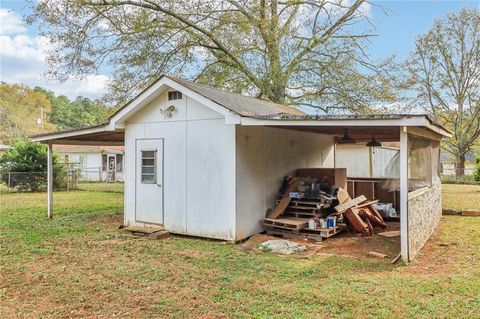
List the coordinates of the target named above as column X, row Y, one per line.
column 363, row 161
column 211, row 179
column 199, row 167
column 354, row 158
column 380, row 158
column 264, row 156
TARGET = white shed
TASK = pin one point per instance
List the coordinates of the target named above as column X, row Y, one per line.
column 207, row 163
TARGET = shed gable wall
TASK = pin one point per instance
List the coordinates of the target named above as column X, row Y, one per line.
column 199, row 166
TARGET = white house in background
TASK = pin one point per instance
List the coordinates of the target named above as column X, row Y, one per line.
column 208, row 163
column 365, row 161
column 95, row 163
column 4, row 148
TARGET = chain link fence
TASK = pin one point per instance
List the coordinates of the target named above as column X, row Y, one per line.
column 460, row 190
column 90, row 179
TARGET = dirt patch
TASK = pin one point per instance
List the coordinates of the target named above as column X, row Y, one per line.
column 111, row 221
column 353, row 245
column 253, row 242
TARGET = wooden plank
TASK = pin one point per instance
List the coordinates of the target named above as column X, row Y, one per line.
column 470, row 213
column 283, row 204
column 376, row 254
column 302, row 207
column 342, row 196
column 350, row 203
column 301, row 214
column 323, row 232
column 295, row 202
column 294, row 223
column 390, row 234
column 144, row 230
column 367, row 204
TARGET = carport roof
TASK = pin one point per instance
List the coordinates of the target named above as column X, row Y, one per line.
column 249, row 111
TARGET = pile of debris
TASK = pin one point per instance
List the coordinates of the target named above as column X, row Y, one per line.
column 360, row 215
column 316, row 209
column 282, row 246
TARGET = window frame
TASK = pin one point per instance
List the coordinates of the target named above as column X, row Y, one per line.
column 119, row 168
column 154, row 166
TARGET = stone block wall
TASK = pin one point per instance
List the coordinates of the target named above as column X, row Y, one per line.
column 424, row 213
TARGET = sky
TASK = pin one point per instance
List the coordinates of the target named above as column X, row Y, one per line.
column 22, row 50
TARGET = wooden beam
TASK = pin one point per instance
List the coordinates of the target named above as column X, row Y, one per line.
column 420, row 132
column 49, row 181
column 404, row 194
column 86, row 142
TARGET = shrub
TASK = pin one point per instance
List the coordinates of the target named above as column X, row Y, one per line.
column 477, row 170
column 28, row 160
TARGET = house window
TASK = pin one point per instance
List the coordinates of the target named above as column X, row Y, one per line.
column 104, row 163
column 82, row 159
column 149, row 169
column 174, row 95
column 119, row 159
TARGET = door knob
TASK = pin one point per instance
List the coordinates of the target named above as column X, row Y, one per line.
column 159, row 185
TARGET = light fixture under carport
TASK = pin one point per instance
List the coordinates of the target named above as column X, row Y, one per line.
column 373, row 142
column 346, row 139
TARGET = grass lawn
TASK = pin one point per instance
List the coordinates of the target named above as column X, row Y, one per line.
column 79, row 265
column 459, row 197
column 101, row 187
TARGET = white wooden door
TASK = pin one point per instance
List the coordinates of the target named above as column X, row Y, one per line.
column 149, row 181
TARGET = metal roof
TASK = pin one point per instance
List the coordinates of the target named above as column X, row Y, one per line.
column 242, row 105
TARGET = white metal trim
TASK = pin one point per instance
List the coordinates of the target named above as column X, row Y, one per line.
column 161, row 85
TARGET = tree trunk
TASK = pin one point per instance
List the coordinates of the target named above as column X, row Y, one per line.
column 460, row 167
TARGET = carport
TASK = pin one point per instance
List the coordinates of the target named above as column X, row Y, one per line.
column 222, row 151
column 419, row 136
column 94, row 135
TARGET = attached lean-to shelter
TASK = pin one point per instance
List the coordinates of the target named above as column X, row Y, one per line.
column 208, row 163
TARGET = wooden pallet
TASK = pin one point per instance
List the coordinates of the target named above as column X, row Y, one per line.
column 305, row 232
column 324, row 232
column 287, row 223
column 301, row 214
column 307, row 202
column 291, row 234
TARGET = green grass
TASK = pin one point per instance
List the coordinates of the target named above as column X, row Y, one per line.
column 460, row 197
column 101, row 187
column 80, row 265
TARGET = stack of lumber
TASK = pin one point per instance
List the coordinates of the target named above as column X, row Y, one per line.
column 360, row 215
column 291, row 215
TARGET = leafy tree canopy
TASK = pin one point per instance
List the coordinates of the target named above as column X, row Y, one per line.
column 27, row 163
column 21, row 109
column 445, row 74
column 25, row 112
column 81, row 112
column 302, row 53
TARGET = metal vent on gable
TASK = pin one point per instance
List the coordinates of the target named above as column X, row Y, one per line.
column 174, row 95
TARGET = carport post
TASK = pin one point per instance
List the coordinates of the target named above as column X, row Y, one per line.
column 49, row 181
column 404, row 193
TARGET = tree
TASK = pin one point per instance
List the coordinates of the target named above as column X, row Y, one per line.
column 79, row 113
column 476, row 173
column 23, row 112
column 30, row 158
column 302, row 53
column 445, row 72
